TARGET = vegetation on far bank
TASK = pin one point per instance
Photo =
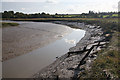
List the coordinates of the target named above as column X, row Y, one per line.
column 90, row 14
column 5, row 24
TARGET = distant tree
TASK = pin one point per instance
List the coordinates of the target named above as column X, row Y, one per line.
column 43, row 13
column 91, row 12
column 56, row 14
column 4, row 15
column 20, row 15
column 10, row 14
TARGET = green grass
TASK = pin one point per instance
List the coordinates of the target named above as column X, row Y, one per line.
column 5, row 24
column 115, row 15
column 104, row 16
column 108, row 60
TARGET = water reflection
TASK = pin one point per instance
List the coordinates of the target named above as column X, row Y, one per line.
column 70, row 41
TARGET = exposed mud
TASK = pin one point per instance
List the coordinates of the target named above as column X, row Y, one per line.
column 70, row 65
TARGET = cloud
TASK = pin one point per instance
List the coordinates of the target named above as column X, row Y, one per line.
column 119, row 6
column 23, row 0
column 70, row 41
column 70, row 10
column 23, row 8
column 8, row 0
column 51, row 1
column 115, row 6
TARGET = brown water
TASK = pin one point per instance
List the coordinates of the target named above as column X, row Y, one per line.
column 25, row 66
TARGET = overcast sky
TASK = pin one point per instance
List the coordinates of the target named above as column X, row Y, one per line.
column 60, row 6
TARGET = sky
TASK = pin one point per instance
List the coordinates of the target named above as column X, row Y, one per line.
column 60, row 6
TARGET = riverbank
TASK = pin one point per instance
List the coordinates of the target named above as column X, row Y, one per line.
column 69, row 65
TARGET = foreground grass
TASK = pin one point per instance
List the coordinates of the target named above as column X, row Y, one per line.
column 107, row 63
column 5, row 24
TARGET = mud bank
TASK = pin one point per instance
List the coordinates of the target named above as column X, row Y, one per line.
column 79, row 57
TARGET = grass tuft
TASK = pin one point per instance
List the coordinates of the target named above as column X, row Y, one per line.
column 4, row 24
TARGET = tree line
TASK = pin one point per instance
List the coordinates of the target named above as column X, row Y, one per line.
column 90, row 14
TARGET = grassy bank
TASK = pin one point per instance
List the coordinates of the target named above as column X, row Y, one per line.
column 107, row 63
column 108, row 60
column 5, row 24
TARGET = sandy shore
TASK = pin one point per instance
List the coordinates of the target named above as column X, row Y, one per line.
column 64, row 66
column 29, row 36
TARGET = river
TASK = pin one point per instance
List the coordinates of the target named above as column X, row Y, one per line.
column 24, row 66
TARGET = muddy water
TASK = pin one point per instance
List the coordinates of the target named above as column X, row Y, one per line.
column 26, row 65
column 29, row 36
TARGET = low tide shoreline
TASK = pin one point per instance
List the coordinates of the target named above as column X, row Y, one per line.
column 67, row 66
